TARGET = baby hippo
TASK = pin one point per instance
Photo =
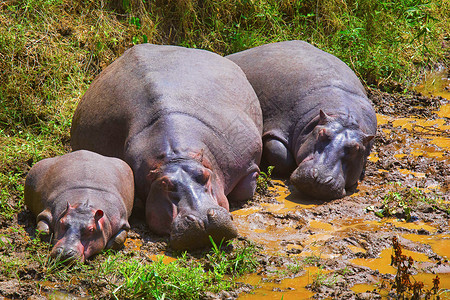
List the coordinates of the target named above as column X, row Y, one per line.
column 84, row 199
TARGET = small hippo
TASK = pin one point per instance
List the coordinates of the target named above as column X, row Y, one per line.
column 189, row 124
column 84, row 199
column 318, row 122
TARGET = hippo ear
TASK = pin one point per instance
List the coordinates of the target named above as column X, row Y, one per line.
column 323, row 118
column 367, row 138
column 98, row 215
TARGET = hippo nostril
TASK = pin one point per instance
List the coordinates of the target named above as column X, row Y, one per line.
column 329, row 179
column 211, row 213
column 57, row 252
column 64, row 255
column 194, row 222
column 190, row 218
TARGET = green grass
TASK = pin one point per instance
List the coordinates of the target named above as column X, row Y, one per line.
column 380, row 40
column 131, row 275
column 403, row 201
column 312, row 260
column 264, row 180
column 233, row 263
column 181, row 279
column 51, row 50
column 321, row 278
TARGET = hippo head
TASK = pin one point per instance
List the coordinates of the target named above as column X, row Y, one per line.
column 331, row 158
column 186, row 201
column 79, row 233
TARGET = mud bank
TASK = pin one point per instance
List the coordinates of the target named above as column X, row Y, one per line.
column 342, row 249
column 339, row 249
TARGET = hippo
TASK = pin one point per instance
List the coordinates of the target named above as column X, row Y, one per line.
column 318, row 122
column 189, row 124
column 84, row 200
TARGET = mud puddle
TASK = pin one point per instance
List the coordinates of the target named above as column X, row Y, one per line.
column 337, row 249
column 342, row 249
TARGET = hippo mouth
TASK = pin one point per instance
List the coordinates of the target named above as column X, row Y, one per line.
column 193, row 231
column 66, row 255
column 317, row 184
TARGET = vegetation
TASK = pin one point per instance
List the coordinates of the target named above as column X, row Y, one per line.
column 134, row 275
column 402, row 202
column 404, row 284
column 264, row 181
column 51, row 50
column 236, row 263
column 322, row 278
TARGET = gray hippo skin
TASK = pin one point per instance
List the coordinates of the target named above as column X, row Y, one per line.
column 84, row 200
column 189, row 124
column 318, row 122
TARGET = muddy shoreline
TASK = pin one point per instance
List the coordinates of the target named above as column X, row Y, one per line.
column 337, row 249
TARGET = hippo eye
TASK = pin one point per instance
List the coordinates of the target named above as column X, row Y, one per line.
column 90, row 230
column 202, row 177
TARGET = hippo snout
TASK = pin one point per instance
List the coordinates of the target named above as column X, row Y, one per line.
column 193, row 230
column 318, row 183
column 65, row 254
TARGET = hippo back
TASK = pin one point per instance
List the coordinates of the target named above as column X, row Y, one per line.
column 51, row 178
column 158, row 97
column 302, row 80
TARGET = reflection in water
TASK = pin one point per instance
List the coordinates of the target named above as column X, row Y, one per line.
column 436, row 84
column 383, row 263
column 133, row 244
column 60, row 295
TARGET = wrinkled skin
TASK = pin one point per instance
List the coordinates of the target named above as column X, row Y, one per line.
column 331, row 158
column 79, row 233
column 84, row 200
column 189, row 208
column 189, row 124
column 318, row 122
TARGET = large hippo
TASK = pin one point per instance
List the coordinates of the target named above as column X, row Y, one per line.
column 318, row 122
column 84, row 200
column 189, row 124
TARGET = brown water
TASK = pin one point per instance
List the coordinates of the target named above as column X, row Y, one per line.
column 313, row 236
column 282, row 231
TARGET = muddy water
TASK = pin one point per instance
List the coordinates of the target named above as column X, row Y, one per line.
column 298, row 228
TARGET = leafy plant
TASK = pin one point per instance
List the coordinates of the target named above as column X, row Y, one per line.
column 321, row 278
column 237, row 262
column 264, row 181
column 404, row 283
column 402, row 202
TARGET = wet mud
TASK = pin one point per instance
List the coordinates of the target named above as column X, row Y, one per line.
column 342, row 249
column 339, row 249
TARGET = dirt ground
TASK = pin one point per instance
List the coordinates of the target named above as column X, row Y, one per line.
column 337, row 245
column 351, row 244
